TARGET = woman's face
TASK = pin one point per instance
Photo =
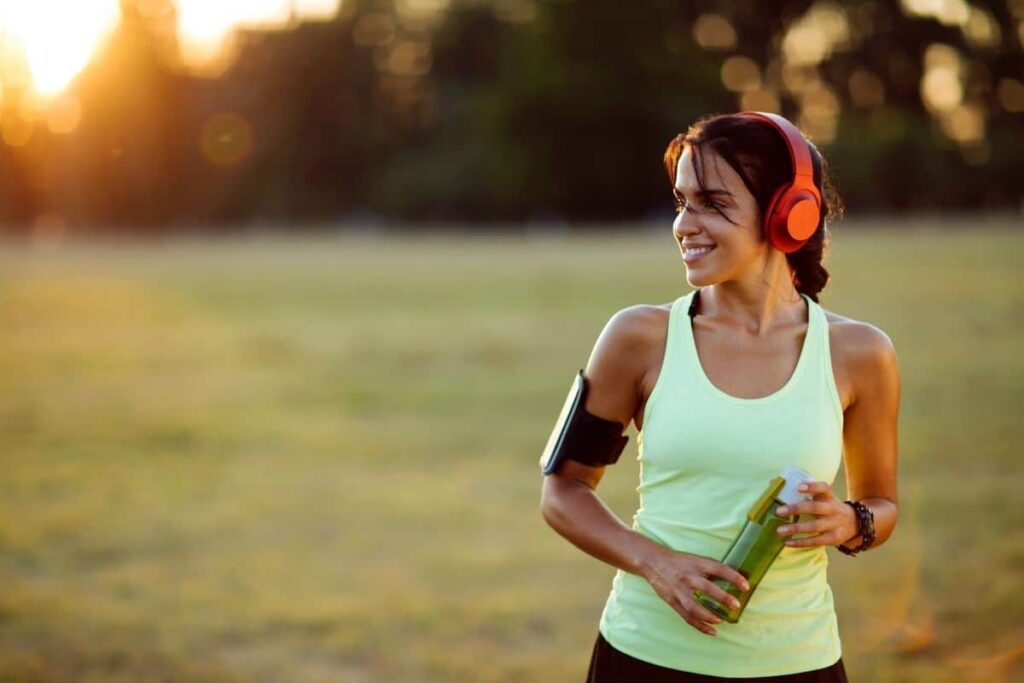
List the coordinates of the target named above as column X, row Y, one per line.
column 736, row 247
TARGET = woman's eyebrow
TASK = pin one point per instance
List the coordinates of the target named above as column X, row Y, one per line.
column 706, row 192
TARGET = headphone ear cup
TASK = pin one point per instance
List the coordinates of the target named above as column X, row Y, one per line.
column 791, row 219
column 773, row 221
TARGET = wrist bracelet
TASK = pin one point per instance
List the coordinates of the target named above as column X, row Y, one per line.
column 865, row 527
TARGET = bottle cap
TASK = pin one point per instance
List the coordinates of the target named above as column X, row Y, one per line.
column 794, row 476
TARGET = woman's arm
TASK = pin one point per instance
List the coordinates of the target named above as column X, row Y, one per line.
column 572, row 508
column 629, row 344
column 870, row 429
column 869, row 448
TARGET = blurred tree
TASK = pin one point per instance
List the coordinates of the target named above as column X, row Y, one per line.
column 568, row 113
column 19, row 195
column 328, row 103
column 125, row 163
column 518, row 109
column 565, row 115
column 307, row 94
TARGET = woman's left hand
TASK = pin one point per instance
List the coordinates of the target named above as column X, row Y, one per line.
column 835, row 522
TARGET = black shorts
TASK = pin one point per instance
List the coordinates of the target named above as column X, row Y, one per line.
column 608, row 665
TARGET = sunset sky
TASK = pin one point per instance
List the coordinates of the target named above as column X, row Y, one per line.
column 54, row 39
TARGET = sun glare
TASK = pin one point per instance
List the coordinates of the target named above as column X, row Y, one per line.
column 204, row 25
column 56, row 38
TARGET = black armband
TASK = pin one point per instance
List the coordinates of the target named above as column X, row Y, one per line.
column 578, row 435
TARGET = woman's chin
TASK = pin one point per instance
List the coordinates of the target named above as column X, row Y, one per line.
column 696, row 277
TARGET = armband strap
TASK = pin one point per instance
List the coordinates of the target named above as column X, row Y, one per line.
column 581, row 436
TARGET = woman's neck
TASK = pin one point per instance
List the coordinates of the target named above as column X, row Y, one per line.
column 757, row 310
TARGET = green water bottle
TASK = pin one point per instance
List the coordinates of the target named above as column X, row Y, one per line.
column 758, row 543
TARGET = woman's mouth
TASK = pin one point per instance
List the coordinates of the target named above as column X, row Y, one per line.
column 694, row 254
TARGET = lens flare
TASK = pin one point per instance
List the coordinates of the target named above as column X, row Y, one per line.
column 226, row 139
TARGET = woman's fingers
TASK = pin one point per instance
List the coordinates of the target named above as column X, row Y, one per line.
column 826, row 527
column 815, row 488
column 713, row 590
column 704, row 628
column 689, row 609
column 684, row 573
column 697, row 616
column 713, row 568
column 805, row 508
column 827, row 538
column 821, row 524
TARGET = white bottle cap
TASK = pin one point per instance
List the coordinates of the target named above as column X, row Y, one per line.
column 794, row 476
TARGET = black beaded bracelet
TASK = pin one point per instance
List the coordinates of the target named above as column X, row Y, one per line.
column 865, row 527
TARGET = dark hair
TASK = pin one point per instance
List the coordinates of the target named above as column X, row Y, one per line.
column 758, row 153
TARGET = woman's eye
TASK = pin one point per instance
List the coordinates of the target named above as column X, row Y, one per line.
column 682, row 204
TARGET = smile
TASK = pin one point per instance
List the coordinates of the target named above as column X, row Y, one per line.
column 694, row 254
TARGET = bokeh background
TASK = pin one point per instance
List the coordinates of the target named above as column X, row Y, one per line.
column 291, row 294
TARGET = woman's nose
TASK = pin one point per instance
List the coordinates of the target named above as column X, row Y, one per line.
column 685, row 223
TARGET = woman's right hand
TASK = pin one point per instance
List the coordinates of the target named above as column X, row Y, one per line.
column 674, row 576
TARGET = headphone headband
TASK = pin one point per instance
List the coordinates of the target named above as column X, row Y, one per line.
column 799, row 153
column 794, row 211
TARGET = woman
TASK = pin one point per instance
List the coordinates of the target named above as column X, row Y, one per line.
column 727, row 385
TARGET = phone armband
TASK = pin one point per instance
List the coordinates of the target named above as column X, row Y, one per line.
column 578, row 435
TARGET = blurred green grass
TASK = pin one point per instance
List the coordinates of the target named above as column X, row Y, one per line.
column 316, row 459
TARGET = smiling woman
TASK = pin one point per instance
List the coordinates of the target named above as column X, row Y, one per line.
column 728, row 385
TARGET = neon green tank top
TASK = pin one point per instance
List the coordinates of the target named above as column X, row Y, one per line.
column 705, row 456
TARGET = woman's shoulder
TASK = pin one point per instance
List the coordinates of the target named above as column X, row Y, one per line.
column 856, row 337
column 625, row 359
column 860, row 351
column 640, row 325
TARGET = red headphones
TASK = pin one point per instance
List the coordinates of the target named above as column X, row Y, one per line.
column 795, row 209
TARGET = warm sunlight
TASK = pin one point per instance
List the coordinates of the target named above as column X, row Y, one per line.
column 56, row 38
column 203, row 25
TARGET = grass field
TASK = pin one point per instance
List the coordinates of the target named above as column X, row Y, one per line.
column 316, row 459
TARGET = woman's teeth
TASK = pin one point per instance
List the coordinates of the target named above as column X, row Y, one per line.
column 694, row 253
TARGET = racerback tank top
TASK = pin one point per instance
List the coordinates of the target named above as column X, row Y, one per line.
column 705, row 457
